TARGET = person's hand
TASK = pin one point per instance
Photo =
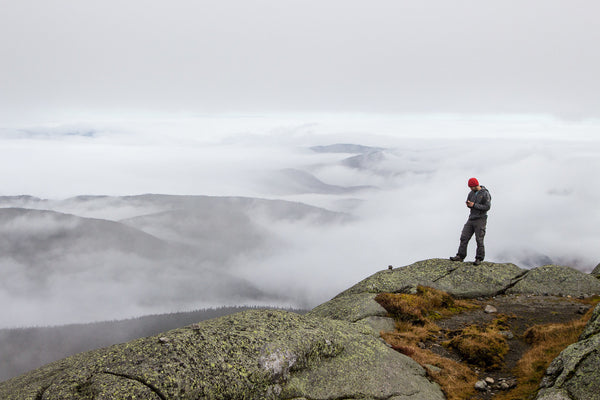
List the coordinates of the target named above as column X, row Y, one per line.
column 470, row 204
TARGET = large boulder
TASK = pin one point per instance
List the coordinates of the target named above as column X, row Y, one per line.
column 357, row 304
column 404, row 279
column 596, row 271
column 457, row 278
column 352, row 307
column 556, row 280
column 593, row 326
column 360, row 308
column 573, row 375
column 460, row 279
column 249, row 355
column 485, row 280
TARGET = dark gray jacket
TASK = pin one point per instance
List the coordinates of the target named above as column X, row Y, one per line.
column 483, row 202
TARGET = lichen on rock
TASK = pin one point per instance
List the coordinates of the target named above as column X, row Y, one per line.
column 593, row 325
column 252, row 355
column 556, row 280
column 351, row 307
column 457, row 278
column 596, row 271
column 574, row 372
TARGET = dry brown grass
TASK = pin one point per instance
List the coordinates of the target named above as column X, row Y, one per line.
column 481, row 346
column 547, row 341
column 456, row 380
column 415, row 315
column 415, row 334
column 426, row 305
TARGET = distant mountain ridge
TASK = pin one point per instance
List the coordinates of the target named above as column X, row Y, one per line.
column 30, row 233
column 295, row 181
column 107, row 257
column 345, row 148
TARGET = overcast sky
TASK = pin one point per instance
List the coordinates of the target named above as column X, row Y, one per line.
column 214, row 97
column 65, row 58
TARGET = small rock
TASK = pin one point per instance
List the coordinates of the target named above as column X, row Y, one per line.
column 504, row 386
column 433, row 368
column 507, row 334
column 164, row 339
column 412, row 290
column 481, row 386
column 511, row 383
column 489, row 380
column 489, row 309
column 421, row 345
column 274, row 390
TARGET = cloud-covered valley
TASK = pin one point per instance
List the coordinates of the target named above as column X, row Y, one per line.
column 281, row 212
column 61, row 268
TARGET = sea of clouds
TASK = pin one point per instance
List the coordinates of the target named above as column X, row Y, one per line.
column 540, row 171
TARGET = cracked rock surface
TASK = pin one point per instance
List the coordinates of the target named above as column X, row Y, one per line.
column 462, row 279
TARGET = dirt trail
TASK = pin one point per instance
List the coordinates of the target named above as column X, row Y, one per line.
column 523, row 311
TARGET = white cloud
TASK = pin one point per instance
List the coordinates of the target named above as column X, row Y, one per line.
column 540, row 172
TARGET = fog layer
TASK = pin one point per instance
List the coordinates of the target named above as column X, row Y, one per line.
column 395, row 196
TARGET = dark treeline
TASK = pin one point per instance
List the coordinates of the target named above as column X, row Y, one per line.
column 24, row 349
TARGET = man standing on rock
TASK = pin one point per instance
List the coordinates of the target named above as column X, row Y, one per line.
column 479, row 201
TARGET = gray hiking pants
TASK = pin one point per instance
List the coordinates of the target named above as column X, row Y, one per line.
column 477, row 227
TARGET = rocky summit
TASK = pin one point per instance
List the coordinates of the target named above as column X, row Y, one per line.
column 333, row 352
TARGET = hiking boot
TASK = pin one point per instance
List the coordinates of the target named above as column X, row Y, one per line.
column 456, row 258
column 477, row 262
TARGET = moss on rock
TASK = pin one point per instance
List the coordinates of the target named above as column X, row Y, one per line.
column 596, row 272
column 404, row 279
column 574, row 372
column 351, row 308
column 593, row 325
column 485, row 280
column 249, row 355
column 556, row 280
column 460, row 279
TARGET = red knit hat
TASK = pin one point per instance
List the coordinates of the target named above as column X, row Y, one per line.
column 473, row 182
